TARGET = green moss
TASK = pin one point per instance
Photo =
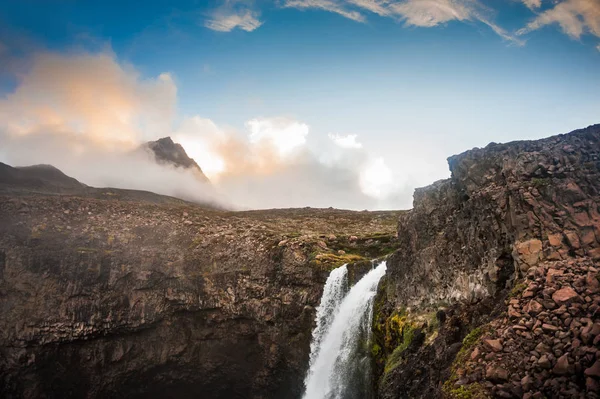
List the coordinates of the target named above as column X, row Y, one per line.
column 470, row 391
column 470, row 340
column 331, row 261
column 517, row 290
column 395, row 359
column 375, row 350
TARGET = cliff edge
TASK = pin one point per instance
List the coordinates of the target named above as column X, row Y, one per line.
column 505, row 256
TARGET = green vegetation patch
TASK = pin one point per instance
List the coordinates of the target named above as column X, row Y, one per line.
column 469, row 391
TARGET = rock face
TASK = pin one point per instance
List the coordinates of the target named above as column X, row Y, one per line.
column 506, row 208
column 528, row 209
column 113, row 295
column 167, row 152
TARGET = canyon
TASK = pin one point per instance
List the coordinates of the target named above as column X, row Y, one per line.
column 491, row 288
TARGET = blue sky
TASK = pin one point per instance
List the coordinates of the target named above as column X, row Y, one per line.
column 414, row 80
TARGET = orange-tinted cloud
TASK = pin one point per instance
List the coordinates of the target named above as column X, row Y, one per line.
column 89, row 94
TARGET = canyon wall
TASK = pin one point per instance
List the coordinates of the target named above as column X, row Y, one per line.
column 507, row 210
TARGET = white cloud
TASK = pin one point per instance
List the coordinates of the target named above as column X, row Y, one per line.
column 197, row 136
column 428, row 13
column 335, row 6
column 376, row 179
column 227, row 20
column 421, row 13
column 284, row 134
column 348, row 141
column 86, row 113
column 575, row 18
column 533, row 4
column 598, row 47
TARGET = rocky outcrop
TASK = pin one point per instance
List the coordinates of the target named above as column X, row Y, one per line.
column 548, row 343
column 108, row 295
column 507, row 209
column 167, row 152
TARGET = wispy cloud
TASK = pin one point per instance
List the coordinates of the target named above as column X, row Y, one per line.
column 335, row 6
column 575, row 18
column 420, row 13
column 532, row 4
column 227, row 18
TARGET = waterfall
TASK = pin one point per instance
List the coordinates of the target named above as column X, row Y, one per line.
column 339, row 359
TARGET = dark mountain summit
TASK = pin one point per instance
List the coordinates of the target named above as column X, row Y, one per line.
column 167, row 152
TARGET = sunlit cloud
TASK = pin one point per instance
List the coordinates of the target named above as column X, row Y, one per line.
column 348, row 141
column 575, row 18
column 376, row 178
column 283, row 134
column 91, row 94
column 420, row 13
column 89, row 114
column 533, row 4
column 334, row 6
column 228, row 19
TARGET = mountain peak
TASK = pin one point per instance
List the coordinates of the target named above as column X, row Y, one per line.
column 168, row 152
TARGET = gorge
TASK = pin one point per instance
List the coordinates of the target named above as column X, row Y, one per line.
column 491, row 288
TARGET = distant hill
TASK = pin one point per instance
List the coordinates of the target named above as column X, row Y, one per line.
column 167, row 152
column 44, row 178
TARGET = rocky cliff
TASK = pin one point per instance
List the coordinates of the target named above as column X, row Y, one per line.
column 509, row 211
column 112, row 293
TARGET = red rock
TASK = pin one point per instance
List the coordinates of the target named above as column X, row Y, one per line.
column 544, row 362
column 493, row 344
column 550, row 277
column 534, row 307
column 526, row 383
column 591, row 385
column 555, row 240
column 562, row 365
column 573, row 239
column 564, row 295
column 595, row 329
column 593, row 371
column 512, row 312
column 496, row 374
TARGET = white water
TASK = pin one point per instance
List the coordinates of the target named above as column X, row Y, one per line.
column 339, row 364
column 335, row 288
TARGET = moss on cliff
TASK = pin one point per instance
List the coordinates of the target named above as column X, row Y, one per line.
column 450, row 389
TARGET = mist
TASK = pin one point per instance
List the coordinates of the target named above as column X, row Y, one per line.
column 87, row 114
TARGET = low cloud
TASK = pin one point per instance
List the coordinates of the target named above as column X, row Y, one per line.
column 270, row 165
column 88, row 114
column 420, row 13
column 575, row 18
